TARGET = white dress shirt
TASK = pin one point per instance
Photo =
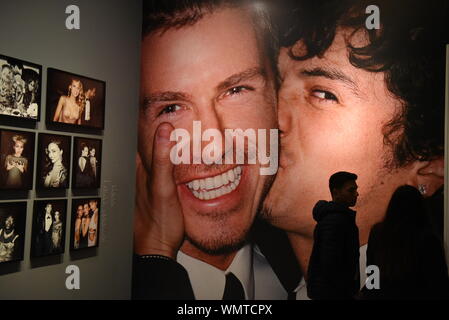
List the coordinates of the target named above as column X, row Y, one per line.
column 301, row 290
column 249, row 265
column 48, row 221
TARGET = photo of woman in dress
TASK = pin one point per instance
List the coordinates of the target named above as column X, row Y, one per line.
column 85, row 223
column 54, row 152
column 32, row 90
column 56, row 232
column 87, row 163
column 17, row 154
column 84, row 170
column 76, row 236
column 75, row 100
column 71, row 107
column 48, row 234
column 93, row 223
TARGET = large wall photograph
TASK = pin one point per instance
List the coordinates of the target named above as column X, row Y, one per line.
column 345, row 87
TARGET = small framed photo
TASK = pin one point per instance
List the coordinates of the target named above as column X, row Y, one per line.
column 75, row 100
column 53, row 161
column 12, row 230
column 49, row 225
column 16, row 159
column 86, row 172
column 85, row 223
column 20, row 88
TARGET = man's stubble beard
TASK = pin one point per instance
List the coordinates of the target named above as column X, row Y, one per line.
column 226, row 243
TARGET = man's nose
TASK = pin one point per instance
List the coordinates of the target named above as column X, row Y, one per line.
column 284, row 117
column 212, row 128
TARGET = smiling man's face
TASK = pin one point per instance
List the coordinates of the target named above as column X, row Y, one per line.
column 213, row 72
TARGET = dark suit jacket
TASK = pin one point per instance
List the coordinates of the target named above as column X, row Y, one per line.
column 161, row 278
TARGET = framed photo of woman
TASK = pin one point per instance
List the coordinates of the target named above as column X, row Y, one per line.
column 16, row 159
column 53, row 163
column 12, row 230
column 20, row 89
column 74, row 100
column 85, row 223
column 86, row 173
column 49, row 225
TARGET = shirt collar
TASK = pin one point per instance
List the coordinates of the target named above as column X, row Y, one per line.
column 208, row 282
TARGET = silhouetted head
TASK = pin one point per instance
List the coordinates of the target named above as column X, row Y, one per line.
column 343, row 188
column 406, row 204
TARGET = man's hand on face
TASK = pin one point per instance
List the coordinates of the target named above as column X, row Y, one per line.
column 158, row 219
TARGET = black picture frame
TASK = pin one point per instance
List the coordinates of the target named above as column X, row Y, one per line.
column 47, row 176
column 52, row 241
column 18, row 212
column 82, row 242
column 11, row 175
column 59, row 85
column 17, row 101
column 90, row 176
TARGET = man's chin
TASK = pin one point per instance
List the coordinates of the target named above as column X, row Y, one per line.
column 218, row 246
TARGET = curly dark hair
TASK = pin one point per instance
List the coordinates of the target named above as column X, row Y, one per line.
column 409, row 48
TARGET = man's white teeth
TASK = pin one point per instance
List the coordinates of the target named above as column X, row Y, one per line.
column 214, row 187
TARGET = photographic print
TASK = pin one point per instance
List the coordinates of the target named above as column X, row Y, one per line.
column 49, row 225
column 16, row 159
column 85, row 223
column 12, row 230
column 53, row 165
column 359, row 108
column 86, row 172
column 20, row 88
column 75, row 100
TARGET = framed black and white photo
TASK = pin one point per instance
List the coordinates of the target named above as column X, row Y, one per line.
column 53, row 162
column 20, row 89
column 16, row 159
column 85, row 223
column 12, row 230
column 86, row 173
column 75, row 100
column 49, row 225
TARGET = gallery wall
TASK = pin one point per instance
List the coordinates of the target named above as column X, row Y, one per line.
column 106, row 47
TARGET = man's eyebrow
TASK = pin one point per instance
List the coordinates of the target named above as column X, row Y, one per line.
column 332, row 74
column 163, row 96
column 241, row 76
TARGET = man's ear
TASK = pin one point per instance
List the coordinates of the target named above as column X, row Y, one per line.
column 428, row 176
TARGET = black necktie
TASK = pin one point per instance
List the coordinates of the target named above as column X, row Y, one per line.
column 233, row 289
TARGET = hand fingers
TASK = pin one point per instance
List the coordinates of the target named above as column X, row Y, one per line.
column 162, row 183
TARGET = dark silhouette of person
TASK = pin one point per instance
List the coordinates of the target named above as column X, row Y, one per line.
column 43, row 244
column 408, row 253
column 333, row 271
